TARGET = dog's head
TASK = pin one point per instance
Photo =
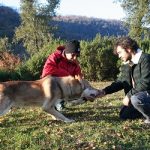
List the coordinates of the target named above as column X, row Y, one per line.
column 89, row 94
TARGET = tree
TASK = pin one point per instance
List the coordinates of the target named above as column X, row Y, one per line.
column 137, row 16
column 35, row 30
column 4, row 45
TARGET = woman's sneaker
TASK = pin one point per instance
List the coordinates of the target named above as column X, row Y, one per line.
column 60, row 106
column 147, row 121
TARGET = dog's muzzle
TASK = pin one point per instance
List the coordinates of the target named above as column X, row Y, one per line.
column 92, row 98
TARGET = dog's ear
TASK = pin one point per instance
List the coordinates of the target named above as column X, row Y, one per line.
column 85, row 83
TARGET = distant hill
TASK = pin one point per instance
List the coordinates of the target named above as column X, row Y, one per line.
column 68, row 27
column 9, row 20
column 78, row 27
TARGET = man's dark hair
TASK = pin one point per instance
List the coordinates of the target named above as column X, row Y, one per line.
column 126, row 43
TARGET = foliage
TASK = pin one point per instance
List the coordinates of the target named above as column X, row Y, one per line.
column 97, row 59
column 32, row 68
column 145, row 45
column 97, row 127
column 29, row 69
column 4, row 44
column 94, row 60
column 8, row 64
column 34, row 31
column 137, row 12
column 8, row 61
column 5, row 75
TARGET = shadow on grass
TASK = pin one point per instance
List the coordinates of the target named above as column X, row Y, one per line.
column 17, row 122
column 92, row 114
column 79, row 114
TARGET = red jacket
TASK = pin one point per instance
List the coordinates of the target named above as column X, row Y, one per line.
column 57, row 65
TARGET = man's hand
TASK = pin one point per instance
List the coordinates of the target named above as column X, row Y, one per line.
column 126, row 101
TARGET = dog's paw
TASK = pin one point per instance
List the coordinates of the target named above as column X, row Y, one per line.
column 53, row 117
column 69, row 120
column 77, row 102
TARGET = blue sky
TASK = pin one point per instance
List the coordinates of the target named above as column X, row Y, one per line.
column 105, row 9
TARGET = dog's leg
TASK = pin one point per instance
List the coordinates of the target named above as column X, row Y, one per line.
column 77, row 101
column 50, row 108
column 5, row 105
column 59, row 116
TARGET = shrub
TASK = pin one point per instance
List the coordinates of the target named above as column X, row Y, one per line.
column 32, row 68
column 8, row 61
column 97, row 59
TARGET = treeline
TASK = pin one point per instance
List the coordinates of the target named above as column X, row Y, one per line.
column 66, row 27
column 84, row 28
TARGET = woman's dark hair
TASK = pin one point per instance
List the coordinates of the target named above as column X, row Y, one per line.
column 126, row 43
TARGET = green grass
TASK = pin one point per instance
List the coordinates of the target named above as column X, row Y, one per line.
column 97, row 127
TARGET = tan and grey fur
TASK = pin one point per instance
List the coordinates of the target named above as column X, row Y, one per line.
column 46, row 92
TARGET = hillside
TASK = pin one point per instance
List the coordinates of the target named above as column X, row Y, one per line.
column 9, row 20
column 68, row 27
column 78, row 27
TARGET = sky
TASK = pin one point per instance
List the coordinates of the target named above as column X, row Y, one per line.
column 104, row 9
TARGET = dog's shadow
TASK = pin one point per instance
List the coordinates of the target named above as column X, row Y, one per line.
column 79, row 115
column 106, row 114
column 23, row 117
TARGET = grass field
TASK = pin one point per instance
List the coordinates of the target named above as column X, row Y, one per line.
column 97, row 127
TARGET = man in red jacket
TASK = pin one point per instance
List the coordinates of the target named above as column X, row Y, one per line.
column 63, row 62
